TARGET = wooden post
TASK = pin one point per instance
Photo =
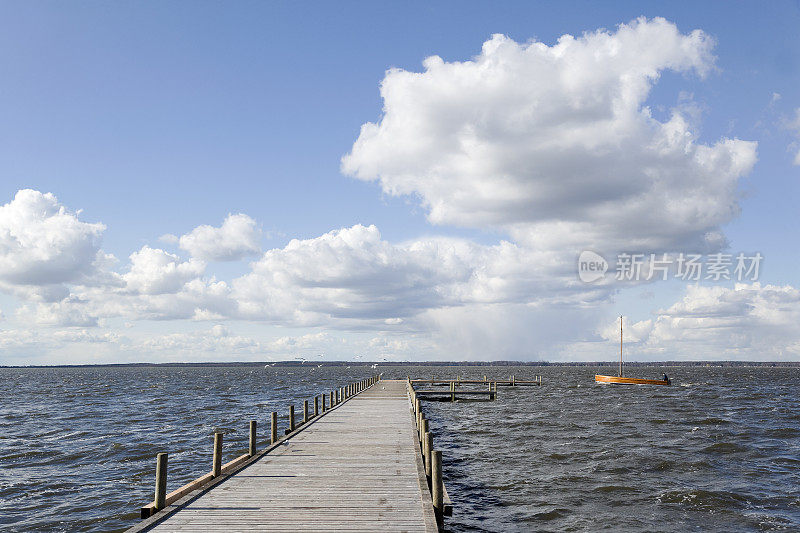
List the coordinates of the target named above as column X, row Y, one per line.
column 161, row 481
column 316, row 405
column 427, row 446
column 305, row 411
column 484, row 377
column 333, row 402
column 252, row 450
column 323, row 402
column 422, row 430
column 417, row 406
column 273, row 438
column 291, row 418
column 437, row 487
column 216, row 468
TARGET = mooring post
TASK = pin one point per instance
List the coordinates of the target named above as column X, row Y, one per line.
column 216, row 468
column 513, row 381
column 437, row 487
column 422, row 430
column 332, row 399
column 291, row 418
column 324, row 397
column 427, row 446
column 273, row 437
column 316, row 406
column 252, row 450
column 305, row 411
column 161, row 481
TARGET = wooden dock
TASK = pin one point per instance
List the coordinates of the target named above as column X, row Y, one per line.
column 356, row 467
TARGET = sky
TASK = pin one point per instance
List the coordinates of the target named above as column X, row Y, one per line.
column 206, row 181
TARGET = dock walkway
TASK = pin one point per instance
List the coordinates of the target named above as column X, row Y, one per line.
column 356, row 468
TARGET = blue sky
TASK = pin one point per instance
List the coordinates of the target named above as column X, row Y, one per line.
column 156, row 118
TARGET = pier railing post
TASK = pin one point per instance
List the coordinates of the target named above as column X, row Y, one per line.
column 291, row 418
column 252, row 448
column 316, row 406
column 305, row 411
column 427, row 446
column 437, row 486
column 273, row 438
column 324, row 397
column 161, row 481
column 422, row 430
column 216, row 468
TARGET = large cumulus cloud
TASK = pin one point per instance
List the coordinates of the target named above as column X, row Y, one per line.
column 554, row 143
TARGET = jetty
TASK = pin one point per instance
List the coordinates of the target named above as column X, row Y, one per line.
column 364, row 461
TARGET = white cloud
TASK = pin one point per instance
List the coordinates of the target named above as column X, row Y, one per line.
column 169, row 238
column 554, row 145
column 748, row 321
column 71, row 311
column 353, row 277
column 42, row 244
column 154, row 271
column 238, row 237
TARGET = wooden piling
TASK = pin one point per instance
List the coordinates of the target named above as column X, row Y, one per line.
column 273, row 438
column 316, row 406
column 324, row 397
column 252, row 447
column 161, row 481
column 305, row 411
column 422, row 430
column 427, row 446
column 291, row 418
column 437, row 486
column 216, row 468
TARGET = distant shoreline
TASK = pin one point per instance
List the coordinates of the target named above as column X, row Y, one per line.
column 293, row 364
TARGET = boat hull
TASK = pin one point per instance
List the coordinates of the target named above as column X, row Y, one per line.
column 630, row 381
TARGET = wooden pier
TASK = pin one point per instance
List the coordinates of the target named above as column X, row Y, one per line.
column 364, row 464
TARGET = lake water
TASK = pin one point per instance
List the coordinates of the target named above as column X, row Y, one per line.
column 718, row 451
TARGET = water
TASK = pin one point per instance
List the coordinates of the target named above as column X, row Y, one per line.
column 718, row 451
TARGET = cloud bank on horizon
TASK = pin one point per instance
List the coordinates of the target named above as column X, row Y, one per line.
column 552, row 148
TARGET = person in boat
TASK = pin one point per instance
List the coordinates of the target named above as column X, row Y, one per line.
column 666, row 378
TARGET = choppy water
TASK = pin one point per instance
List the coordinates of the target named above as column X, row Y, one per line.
column 719, row 451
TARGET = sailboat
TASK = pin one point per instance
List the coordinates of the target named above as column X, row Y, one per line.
column 620, row 378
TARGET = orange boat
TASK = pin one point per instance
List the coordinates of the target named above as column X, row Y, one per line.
column 599, row 378
column 635, row 381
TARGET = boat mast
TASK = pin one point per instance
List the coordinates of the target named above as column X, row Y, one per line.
column 620, row 345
